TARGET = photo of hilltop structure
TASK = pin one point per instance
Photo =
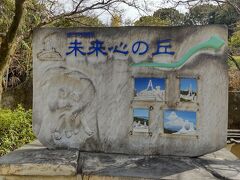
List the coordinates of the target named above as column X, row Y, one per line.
column 149, row 89
column 188, row 90
column 179, row 122
column 140, row 119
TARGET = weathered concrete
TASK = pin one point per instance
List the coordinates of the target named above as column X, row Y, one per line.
column 35, row 162
column 86, row 101
column 220, row 164
column 34, row 159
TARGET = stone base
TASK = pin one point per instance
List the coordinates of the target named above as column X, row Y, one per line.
column 35, row 162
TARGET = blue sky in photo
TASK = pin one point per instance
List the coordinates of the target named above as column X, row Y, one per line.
column 142, row 83
column 185, row 83
column 141, row 112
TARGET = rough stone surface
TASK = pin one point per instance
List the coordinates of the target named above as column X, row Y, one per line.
column 218, row 165
column 41, row 178
column 153, row 167
column 35, row 159
column 86, row 102
column 35, row 163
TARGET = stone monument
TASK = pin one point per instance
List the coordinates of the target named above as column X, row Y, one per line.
column 131, row 90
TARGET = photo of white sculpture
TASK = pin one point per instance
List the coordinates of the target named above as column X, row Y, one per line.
column 149, row 89
column 179, row 122
column 140, row 119
column 188, row 90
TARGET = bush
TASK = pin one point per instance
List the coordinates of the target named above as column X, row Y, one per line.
column 15, row 129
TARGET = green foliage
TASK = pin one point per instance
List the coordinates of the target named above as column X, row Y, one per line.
column 226, row 15
column 237, row 59
column 78, row 22
column 170, row 15
column 21, row 61
column 201, row 15
column 151, row 21
column 35, row 13
column 231, row 65
column 15, row 129
column 6, row 14
column 212, row 14
column 235, row 42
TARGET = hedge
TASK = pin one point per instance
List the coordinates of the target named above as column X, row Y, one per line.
column 15, row 129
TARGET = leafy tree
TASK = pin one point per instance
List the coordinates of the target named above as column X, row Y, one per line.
column 8, row 44
column 226, row 12
column 235, row 4
column 15, row 44
column 170, row 15
column 77, row 22
column 116, row 20
column 234, row 41
column 19, row 65
column 212, row 14
column 201, row 15
column 227, row 15
column 151, row 21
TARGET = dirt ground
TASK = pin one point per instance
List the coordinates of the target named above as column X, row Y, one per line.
column 235, row 149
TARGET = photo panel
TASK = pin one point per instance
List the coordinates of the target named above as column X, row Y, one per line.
column 188, row 90
column 149, row 89
column 179, row 122
column 141, row 119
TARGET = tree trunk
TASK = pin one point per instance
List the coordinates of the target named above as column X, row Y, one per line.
column 7, row 45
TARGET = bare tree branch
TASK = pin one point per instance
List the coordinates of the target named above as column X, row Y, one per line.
column 235, row 6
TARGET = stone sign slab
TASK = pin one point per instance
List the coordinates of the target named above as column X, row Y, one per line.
column 133, row 90
column 35, row 162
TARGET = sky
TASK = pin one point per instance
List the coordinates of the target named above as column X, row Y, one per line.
column 141, row 112
column 142, row 83
column 185, row 83
column 130, row 13
column 154, row 5
column 133, row 14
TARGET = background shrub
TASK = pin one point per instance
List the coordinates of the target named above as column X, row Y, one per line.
column 15, row 128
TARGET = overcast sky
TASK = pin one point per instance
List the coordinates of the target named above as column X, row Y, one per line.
column 130, row 12
column 133, row 14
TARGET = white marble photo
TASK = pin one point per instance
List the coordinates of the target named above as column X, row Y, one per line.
column 149, row 89
column 180, row 122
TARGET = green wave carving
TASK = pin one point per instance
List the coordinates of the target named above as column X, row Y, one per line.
column 215, row 42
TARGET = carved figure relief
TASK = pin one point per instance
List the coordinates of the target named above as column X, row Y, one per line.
column 69, row 107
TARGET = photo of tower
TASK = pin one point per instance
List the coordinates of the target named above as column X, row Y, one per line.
column 188, row 90
column 152, row 89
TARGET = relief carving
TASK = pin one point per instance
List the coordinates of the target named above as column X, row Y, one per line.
column 49, row 52
column 70, row 108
